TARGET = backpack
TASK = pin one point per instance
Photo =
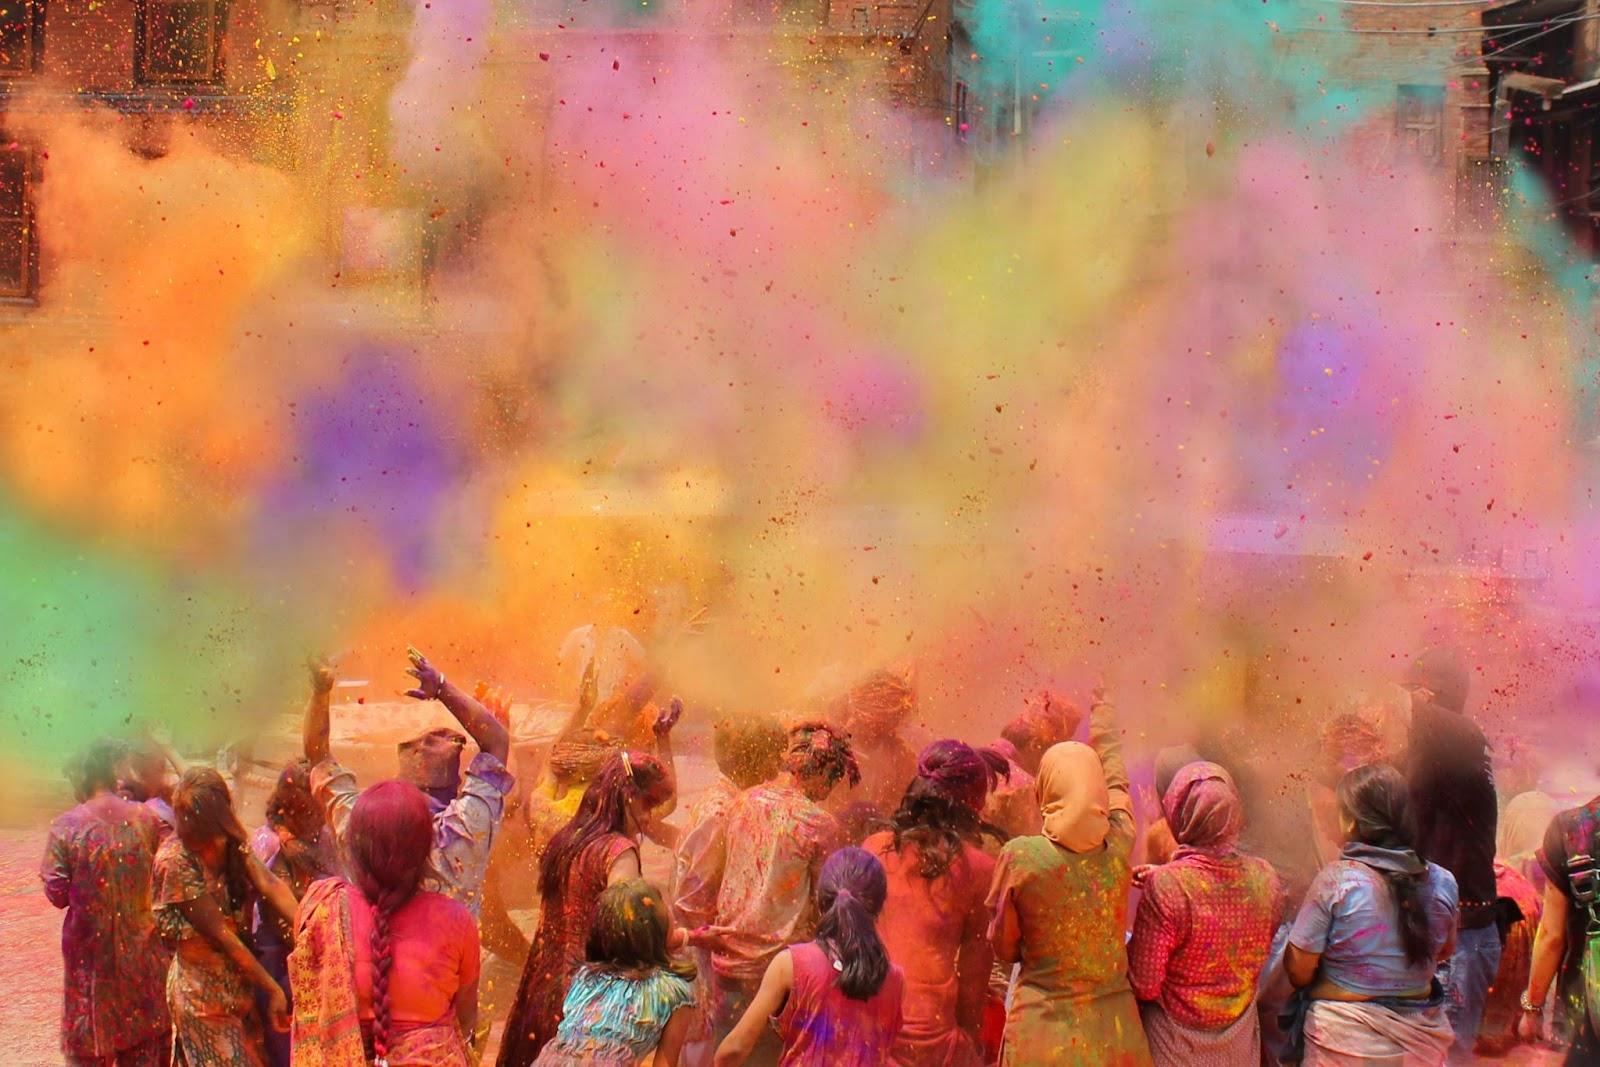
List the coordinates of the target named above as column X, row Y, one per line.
column 1583, row 876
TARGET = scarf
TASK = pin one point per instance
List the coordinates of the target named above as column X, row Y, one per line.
column 1397, row 860
column 1203, row 809
column 326, row 1028
column 1073, row 797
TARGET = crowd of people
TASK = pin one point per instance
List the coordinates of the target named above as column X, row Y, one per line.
column 835, row 897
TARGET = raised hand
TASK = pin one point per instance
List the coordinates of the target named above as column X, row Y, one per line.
column 666, row 720
column 430, row 680
column 321, row 673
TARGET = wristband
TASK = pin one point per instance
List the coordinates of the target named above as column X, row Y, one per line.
column 1527, row 1004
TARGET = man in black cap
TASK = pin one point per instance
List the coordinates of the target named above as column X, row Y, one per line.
column 1452, row 792
column 466, row 810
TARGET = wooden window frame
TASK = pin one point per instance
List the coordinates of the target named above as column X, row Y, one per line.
column 34, row 14
column 211, row 76
column 28, row 221
column 1414, row 107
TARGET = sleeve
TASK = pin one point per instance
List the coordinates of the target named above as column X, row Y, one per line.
column 56, row 870
column 1007, row 878
column 1445, row 905
column 974, row 960
column 1310, row 930
column 481, row 801
column 1156, row 927
column 1105, row 737
column 336, row 790
column 1553, row 855
column 701, row 859
column 178, row 877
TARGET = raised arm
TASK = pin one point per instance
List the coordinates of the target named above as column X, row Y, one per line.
column 314, row 728
column 1105, row 736
column 274, row 890
column 479, row 722
column 663, row 727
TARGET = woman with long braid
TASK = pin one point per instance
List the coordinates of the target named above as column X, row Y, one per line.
column 384, row 971
column 1374, row 927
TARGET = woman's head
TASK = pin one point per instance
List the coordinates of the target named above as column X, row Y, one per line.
column 1073, row 797
column 851, row 889
column 388, row 840
column 1375, row 807
column 630, row 928
column 941, row 807
column 625, row 792
column 1203, row 808
column 819, row 757
column 291, row 806
column 94, row 769
column 749, row 748
column 204, row 811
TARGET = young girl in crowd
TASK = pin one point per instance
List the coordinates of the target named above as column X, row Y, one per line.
column 1203, row 930
column 381, row 968
column 836, row 999
column 630, row 1003
column 935, row 924
column 599, row 847
column 206, row 882
column 1374, row 926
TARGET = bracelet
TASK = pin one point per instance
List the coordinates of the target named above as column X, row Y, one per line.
column 1526, row 1003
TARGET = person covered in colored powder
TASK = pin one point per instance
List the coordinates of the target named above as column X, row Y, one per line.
column 749, row 751
column 383, row 969
column 936, row 921
column 206, row 883
column 1203, row 930
column 1561, row 947
column 1157, row 844
column 836, row 999
column 778, row 835
column 144, row 778
column 1375, row 927
column 295, row 844
column 874, row 713
column 466, row 809
column 1456, row 808
column 1046, row 720
column 1060, row 908
column 599, row 847
column 630, row 1002
column 97, row 865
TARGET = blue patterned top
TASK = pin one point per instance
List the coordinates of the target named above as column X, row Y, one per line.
column 615, row 1017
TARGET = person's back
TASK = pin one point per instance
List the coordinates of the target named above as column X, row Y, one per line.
column 1073, row 909
column 1218, row 915
column 433, row 955
column 1452, row 789
column 1351, row 914
column 776, row 837
column 614, row 1016
column 822, row 1027
column 936, row 933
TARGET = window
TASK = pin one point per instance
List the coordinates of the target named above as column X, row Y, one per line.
column 21, row 37
column 1419, row 121
column 178, row 42
column 19, row 245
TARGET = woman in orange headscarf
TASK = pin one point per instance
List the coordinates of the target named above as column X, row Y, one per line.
column 1060, row 907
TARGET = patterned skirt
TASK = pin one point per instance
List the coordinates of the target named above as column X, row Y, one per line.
column 1174, row 1045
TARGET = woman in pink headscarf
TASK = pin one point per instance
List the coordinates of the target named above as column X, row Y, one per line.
column 1203, row 930
column 1059, row 906
column 934, row 921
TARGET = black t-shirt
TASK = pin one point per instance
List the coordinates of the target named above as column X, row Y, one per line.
column 1581, row 824
column 1452, row 791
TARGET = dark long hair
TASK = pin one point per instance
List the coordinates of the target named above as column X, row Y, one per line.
column 624, row 776
column 95, row 767
column 1375, row 797
column 204, row 811
column 850, row 894
column 389, row 840
column 938, row 826
column 630, row 930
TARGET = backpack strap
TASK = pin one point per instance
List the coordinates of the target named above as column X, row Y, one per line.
column 1583, row 868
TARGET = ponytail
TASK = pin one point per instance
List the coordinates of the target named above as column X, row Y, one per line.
column 1415, row 935
column 850, row 893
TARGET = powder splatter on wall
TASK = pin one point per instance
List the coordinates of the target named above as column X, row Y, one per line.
column 1107, row 337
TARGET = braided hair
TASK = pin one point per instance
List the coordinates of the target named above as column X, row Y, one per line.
column 390, row 838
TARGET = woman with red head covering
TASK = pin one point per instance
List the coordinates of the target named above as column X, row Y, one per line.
column 935, row 922
column 598, row 848
column 1203, row 930
column 383, row 970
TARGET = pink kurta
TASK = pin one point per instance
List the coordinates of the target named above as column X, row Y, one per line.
column 937, row 933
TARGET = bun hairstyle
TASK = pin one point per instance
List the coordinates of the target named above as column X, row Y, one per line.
column 850, row 894
column 941, row 806
column 623, row 777
column 389, row 839
column 1375, row 798
column 203, row 808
